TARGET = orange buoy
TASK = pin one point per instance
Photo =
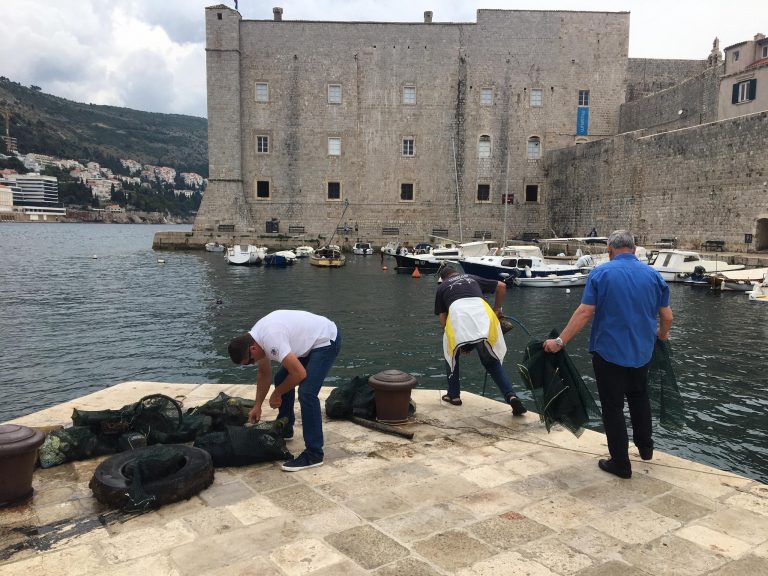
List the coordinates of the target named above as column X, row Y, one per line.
column 416, row 273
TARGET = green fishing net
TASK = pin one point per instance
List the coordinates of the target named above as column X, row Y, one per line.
column 663, row 391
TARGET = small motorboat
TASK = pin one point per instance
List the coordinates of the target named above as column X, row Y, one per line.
column 737, row 280
column 759, row 292
column 304, row 251
column 280, row 258
column 245, row 255
column 214, row 247
column 676, row 265
column 363, row 248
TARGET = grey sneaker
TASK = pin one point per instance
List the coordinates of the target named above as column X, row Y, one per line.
column 301, row 462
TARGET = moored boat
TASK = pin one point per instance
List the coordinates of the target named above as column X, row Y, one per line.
column 524, row 263
column 737, row 280
column 214, row 247
column 759, row 292
column 676, row 265
column 245, row 255
column 328, row 257
column 281, row 258
column 363, row 248
column 304, row 251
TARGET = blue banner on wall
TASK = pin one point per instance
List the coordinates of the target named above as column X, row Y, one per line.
column 582, row 121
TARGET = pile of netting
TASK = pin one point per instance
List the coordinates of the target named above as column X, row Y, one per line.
column 557, row 388
column 663, row 391
column 355, row 398
column 155, row 419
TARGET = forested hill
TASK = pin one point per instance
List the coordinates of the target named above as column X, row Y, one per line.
column 51, row 125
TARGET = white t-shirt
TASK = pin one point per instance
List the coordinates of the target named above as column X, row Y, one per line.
column 284, row 331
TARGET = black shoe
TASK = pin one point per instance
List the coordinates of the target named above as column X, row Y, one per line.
column 611, row 468
column 517, row 407
column 301, row 462
column 646, row 453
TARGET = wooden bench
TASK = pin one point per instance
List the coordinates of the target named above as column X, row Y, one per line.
column 530, row 236
column 713, row 245
column 666, row 243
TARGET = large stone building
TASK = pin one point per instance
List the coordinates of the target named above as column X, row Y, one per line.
column 425, row 128
column 522, row 123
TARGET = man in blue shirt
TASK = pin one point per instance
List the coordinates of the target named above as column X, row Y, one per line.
column 624, row 296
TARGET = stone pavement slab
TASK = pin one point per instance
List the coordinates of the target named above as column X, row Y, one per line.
column 476, row 492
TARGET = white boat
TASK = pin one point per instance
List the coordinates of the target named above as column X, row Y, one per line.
column 391, row 247
column 430, row 263
column 525, row 266
column 214, row 247
column 676, row 265
column 759, row 292
column 245, row 255
column 737, row 280
column 363, row 248
column 304, row 251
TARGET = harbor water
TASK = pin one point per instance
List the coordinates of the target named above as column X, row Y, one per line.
column 86, row 306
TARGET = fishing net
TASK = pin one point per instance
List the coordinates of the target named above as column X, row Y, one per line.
column 75, row 443
column 160, row 463
column 353, row 398
column 558, row 390
column 241, row 446
column 663, row 391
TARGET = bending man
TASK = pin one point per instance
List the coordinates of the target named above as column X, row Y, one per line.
column 306, row 346
column 624, row 296
column 469, row 324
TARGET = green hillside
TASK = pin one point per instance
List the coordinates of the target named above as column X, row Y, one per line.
column 51, row 125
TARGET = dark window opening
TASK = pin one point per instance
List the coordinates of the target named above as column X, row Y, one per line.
column 218, row 15
column 334, row 190
column 262, row 189
column 507, row 198
column 406, row 191
column 532, row 193
column 483, row 192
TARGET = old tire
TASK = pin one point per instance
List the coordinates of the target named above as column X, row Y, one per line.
column 110, row 484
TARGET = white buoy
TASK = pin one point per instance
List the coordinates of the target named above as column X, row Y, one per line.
column 94, row 256
column 567, row 290
column 161, row 261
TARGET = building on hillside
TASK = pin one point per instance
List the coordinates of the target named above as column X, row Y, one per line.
column 426, row 128
column 35, row 196
column 6, row 198
column 131, row 165
column 744, row 84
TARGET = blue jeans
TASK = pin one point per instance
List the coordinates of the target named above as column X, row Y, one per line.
column 491, row 364
column 317, row 364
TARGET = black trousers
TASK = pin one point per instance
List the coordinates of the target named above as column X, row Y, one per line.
column 614, row 382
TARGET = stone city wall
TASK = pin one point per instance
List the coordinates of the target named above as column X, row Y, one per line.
column 646, row 76
column 694, row 101
column 708, row 182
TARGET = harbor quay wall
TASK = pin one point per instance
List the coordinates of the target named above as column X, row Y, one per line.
column 707, row 182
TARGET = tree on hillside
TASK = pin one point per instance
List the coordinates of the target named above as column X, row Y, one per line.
column 14, row 164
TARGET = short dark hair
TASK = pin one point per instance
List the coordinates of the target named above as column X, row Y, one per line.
column 238, row 348
column 446, row 271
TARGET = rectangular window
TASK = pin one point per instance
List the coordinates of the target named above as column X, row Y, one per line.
column 334, row 190
column 484, row 147
column 486, row 96
column 532, row 193
column 736, row 55
column 765, row 52
column 407, row 146
column 334, row 146
column 583, row 97
column 534, row 148
column 483, row 192
column 406, row 192
column 744, row 91
column 262, row 189
column 262, row 144
column 262, row 92
column 507, row 198
column 409, row 94
column 334, row 93
column 536, row 97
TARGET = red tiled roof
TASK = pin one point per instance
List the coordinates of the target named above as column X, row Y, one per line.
column 757, row 64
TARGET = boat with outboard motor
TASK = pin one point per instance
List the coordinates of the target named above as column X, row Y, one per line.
column 430, row 263
column 737, row 280
column 523, row 266
column 249, row 255
column 214, row 247
column 328, row 257
column 362, row 248
column 676, row 265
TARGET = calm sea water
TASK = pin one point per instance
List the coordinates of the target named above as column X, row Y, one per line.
column 71, row 324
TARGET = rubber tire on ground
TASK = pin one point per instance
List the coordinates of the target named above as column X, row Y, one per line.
column 110, row 485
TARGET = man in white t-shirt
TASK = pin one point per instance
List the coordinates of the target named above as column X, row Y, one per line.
column 306, row 346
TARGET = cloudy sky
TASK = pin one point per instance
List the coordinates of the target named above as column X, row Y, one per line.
column 150, row 54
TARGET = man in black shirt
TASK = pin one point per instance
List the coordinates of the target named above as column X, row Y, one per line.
column 489, row 343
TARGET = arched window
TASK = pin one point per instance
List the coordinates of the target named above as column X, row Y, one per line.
column 484, row 147
column 534, row 147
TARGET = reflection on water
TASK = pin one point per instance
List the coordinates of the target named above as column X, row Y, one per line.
column 72, row 324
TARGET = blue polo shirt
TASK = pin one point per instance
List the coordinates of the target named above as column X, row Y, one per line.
column 627, row 295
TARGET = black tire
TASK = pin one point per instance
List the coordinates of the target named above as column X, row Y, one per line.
column 110, row 484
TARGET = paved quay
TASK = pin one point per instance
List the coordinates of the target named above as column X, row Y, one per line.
column 477, row 491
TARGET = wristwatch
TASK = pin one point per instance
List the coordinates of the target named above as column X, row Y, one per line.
column 559, row 342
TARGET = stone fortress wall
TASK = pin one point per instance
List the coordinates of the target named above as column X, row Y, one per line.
column 673, row 171
column 707, row 182
column 510, row 52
